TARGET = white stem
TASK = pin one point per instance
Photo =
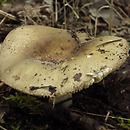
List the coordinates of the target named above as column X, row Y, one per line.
column 64, row 101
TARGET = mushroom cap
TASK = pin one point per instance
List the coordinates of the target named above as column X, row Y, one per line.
column 46, row 61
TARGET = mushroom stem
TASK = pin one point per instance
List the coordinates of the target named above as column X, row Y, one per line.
column 64, row 101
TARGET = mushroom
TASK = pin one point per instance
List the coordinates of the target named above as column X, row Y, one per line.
column 49, row 62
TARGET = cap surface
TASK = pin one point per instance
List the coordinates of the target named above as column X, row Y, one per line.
column 45, row 61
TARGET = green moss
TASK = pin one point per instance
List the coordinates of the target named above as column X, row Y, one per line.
column 124, row 123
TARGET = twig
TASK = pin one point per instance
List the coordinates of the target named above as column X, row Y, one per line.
column 96, row 20
column 56, row 11
column 104, row 116
column 117, row 12
column 2, row 128
column 65, row 19
column 86, row 5
column 111, row 18
column 10, row 16
column 67, row 4
column 107, row 116
column 112, row 9
column 2, row 21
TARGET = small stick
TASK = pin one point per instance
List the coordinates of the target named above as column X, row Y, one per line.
column 107, row 116
column 10, row 16
column 2, row 128
column 2, row 21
